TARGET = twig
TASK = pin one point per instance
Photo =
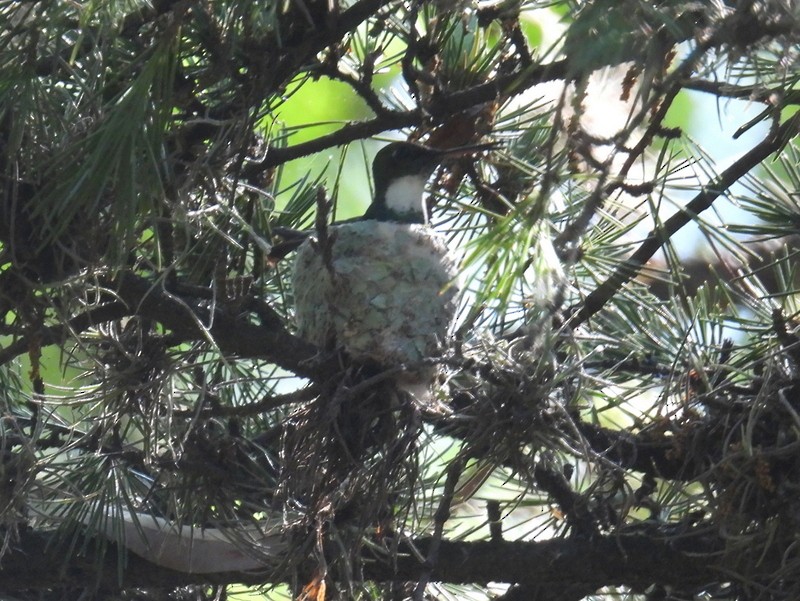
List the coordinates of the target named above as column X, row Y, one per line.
column 76, row 325
column 571, row 503
column 266, row 403
column 360, row 86
column 752, row 93
column 324, row 241
column 232, row 333
column 495, row 520
column 454, row 471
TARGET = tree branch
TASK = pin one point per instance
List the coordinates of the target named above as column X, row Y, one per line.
column 601, row 295
column 655, row 453
column 232, row 333
column 639, row 560
column 189, row 320
column 57, row 333
column 778, row 96
column 445, row 106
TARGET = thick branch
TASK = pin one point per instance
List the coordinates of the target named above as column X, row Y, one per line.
column 636, row 560
column 189, row 319
column 230, row 332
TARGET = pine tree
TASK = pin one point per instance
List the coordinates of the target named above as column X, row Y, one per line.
column 615, row 415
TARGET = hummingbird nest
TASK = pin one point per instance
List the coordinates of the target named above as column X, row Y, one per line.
column 383, row 292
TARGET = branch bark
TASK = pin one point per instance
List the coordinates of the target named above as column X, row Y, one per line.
column 232, row 333
column 636, row 560
column 189, row 319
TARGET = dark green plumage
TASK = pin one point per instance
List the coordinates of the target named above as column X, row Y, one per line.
column 400, row 171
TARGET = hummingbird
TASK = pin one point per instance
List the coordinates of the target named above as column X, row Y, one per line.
column 385, row 290
column 400, row 171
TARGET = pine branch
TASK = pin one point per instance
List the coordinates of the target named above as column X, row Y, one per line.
column 599, row 297
column 189, row 320
column 771, row 96
column 634, row 559
column 229, row 331
column 503, row 86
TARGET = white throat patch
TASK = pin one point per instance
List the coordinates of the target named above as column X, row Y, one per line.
column 404, row 195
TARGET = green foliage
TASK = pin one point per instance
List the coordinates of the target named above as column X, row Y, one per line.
column 604, row 381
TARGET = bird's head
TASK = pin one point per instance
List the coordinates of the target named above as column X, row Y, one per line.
column 400, row 171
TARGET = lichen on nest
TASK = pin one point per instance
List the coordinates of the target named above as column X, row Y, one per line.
column 387, row 296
